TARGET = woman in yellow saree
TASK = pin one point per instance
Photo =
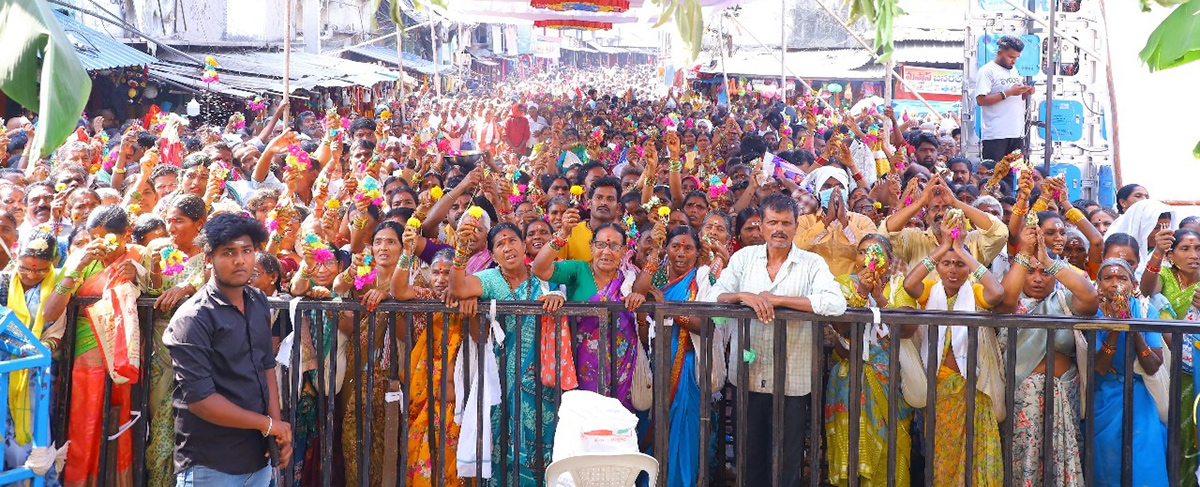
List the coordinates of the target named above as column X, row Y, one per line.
column 427, row 368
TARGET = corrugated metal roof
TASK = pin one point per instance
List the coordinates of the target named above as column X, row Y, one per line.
column 411, row 61
column 823, row 63
column 259, row 72
column 98, row 50
column 929, row 52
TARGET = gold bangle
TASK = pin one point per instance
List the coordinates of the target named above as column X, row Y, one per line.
column 1074, row 215
column 1041, row 205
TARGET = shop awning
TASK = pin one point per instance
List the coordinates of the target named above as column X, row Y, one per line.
column 823, row 63
column 98, row 50
column 262, row 72
column 411, row 61
column 603, row 49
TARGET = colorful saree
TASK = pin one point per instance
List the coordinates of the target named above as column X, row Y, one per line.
column 160, row 448
column 517, row 449
column 428, row 366
column 873, row 446
column 87, row 393
column 619, row 376
column 1181, row 309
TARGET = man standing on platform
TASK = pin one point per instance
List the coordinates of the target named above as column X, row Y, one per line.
column 1000, row 92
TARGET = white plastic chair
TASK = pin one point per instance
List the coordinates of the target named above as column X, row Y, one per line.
column 603, row 469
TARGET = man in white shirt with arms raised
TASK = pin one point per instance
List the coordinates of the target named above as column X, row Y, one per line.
column 1000, row 91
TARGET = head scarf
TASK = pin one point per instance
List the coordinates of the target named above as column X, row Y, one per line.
column 818, row 176
column 1139, row 220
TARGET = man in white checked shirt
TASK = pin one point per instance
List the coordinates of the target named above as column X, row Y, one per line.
column 763, row 277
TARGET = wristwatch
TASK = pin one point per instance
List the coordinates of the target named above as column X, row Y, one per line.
column 1003, row 96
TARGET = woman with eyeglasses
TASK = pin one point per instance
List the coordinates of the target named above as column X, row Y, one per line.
column 601, row 279
column 24, row 291
column 510, row 280
column 177, row 264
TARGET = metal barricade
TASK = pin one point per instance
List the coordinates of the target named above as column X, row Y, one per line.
column 380, row 374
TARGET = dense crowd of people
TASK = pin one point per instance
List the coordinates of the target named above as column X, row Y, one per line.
column 582, row 186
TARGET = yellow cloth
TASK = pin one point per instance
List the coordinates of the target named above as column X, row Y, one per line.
column 838, row 252
column 894, row 290
column 579, row 244
column 18, row 384
column 912, row 244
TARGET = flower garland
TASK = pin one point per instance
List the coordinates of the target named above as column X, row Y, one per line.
column 273, row 220
column 239, row 120
column 171, row 261
column 297, row 158
column 321, row 251
column 219, row 171
column 368, row 189
column 364, row 275
column 617, row 6
column 573, row 24
column 210, row 70
column 257, row 104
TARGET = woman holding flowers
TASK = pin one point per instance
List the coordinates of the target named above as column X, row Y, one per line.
column 875, row 283
column 599, row 280
column 105, row 259
column 430, row 402
column 24, row 290
column 510, row 280
column 177, row 265
column 368, row 279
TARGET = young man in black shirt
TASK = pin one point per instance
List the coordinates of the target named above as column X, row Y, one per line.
column 227, row 399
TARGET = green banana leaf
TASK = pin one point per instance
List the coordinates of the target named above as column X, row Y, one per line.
column 1196, row 151
column 1176, row 41
column 34, row 41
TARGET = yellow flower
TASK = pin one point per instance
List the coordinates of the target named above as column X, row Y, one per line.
column 475, row 212
column 435, row 193
column 364, row 270
column 414, row 222
column 664, row 212
column 333, row 204
column 60, row 187
column 576, row 190
column 135, row 208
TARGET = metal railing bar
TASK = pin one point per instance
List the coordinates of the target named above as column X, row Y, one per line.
column 893, row 396
column 931, row 368
column 1048, row 465
column 972, row 376
column 704, row 355
column 778, row 391
column 1089, row 402
column 364, row 443
column 854, row 401
column 816, row 413
column 1174, row 445
column 743, row 399
column 1010, row 404
column 1127, row 417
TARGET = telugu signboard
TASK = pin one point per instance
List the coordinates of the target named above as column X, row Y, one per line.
column 932, row 83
